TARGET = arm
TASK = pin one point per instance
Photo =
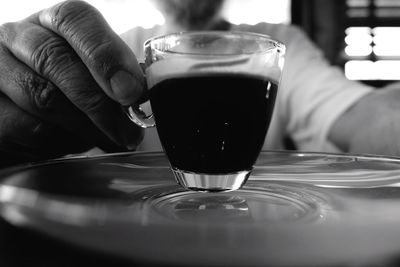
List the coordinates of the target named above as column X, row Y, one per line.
column 370, row 125
column 313, row 93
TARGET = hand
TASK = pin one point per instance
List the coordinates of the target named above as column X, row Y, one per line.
column 64, row 75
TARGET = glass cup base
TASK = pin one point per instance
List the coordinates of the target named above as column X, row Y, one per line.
column 211, row 182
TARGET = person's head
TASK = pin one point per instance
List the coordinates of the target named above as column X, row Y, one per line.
column 190, row 14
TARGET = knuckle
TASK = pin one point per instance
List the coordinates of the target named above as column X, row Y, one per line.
column 87, row 29
column 52, row 56
column 68, row 13
column 5, row 30
column 43, row 94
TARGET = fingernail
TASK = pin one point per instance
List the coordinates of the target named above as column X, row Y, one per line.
column 125, row 87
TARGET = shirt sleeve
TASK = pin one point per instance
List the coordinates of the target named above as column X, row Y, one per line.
column 313, row 93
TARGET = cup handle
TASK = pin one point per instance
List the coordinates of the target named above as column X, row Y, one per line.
column 135, row 112
column 138, row 116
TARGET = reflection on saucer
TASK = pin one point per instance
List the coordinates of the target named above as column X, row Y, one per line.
column 274, row 204
column 214, row 207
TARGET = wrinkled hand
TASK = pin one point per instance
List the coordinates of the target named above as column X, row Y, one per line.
column 64, row 75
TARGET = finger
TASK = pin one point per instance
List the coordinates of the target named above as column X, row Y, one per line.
column 53, row 59
column 24, row 138
column 40, row 97
column 110, row 61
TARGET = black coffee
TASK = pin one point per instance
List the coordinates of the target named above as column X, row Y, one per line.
column 213, row 124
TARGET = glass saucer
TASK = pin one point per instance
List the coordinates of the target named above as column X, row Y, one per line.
column 303, row 209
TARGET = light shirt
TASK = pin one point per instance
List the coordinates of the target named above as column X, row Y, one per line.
column 311, row 96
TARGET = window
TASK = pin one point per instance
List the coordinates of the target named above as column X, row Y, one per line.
column 372, row 40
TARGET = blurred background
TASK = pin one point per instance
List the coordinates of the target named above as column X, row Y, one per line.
column 360, row 36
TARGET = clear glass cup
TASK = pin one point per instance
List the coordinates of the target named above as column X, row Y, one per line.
column 212, row 96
